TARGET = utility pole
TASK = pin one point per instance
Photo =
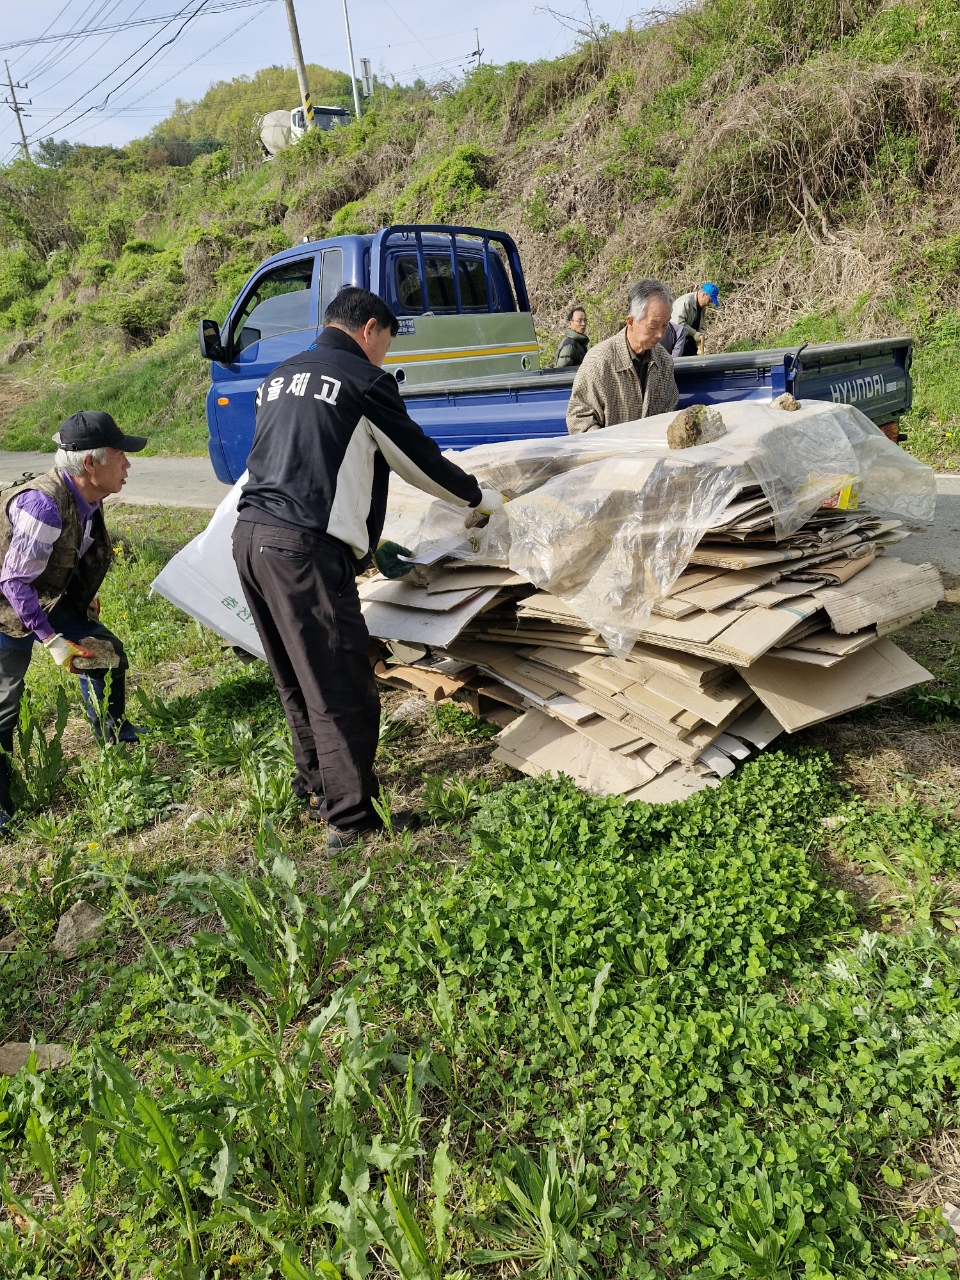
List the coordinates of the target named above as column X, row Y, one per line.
column 477, row 51
column 353, row 69
column 17, row 107
column 298, row 60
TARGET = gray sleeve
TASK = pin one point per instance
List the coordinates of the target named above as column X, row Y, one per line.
column 685, row 310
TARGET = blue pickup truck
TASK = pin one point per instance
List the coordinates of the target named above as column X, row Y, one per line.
column 466, row 358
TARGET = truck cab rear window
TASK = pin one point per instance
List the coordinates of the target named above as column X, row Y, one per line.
column 278, row 303
column 441, row 297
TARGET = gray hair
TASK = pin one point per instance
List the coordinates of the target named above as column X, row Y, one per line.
column 71, row 460
column 638, row 299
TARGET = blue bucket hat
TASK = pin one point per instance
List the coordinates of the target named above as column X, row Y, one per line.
column 712, row 292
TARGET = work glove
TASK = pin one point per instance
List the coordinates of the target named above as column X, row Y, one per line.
column 64, row 652
column 490, row 499
column 387, row 559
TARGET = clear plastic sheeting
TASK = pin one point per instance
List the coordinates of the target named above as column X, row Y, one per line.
column 607, row 520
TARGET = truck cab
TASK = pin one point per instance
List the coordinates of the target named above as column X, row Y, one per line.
column 323, row 118
column 459, row 294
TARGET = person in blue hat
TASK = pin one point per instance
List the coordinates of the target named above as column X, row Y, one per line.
column 55, row 552
column 689, row 315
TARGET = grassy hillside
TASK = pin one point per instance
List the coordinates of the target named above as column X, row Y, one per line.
column 803, row 155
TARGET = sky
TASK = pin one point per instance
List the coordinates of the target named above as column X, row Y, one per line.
column 76, row 86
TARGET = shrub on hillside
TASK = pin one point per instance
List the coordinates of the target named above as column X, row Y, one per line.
column 20, row 314
column 35, row 208
column 454, row 185
column 789, row 149
column 20, row 275
column 144, row 313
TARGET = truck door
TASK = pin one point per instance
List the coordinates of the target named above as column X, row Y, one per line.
column 277, row 317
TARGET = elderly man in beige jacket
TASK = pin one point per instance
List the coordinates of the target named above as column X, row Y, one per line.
column 630, row 375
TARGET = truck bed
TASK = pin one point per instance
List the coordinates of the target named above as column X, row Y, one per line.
column 873, row 375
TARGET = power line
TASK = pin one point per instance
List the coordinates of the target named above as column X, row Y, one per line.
column 52, row 22
column 190, row 17
column 60, row 52
column 225, row 7
column 407, row 25
column 118, row 110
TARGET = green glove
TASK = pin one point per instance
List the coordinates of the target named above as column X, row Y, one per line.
column 387, row 559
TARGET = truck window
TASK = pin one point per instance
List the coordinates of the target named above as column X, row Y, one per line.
column 331, row 279
column 440, row 293
column 278, row 303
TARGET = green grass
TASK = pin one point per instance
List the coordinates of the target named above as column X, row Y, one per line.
column 159, row 393
column 555, row 1030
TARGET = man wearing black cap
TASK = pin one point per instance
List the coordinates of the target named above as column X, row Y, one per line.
column 54, row 554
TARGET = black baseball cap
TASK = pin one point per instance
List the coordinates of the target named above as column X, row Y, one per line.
column 94, row 429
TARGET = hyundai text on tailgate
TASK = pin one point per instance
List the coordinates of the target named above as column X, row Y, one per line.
column 466, row 357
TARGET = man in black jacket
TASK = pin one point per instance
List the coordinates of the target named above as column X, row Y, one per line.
column 330, row 426
column 575, row 341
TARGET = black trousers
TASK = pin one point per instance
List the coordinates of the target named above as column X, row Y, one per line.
column 301, row 589
column 15, row 655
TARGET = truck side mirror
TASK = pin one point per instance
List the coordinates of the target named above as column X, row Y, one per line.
column 211, row 348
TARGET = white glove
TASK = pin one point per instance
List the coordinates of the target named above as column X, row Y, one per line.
column 63, row 652
column 490, row 499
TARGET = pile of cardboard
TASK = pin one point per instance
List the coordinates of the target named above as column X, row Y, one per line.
column 759, row 635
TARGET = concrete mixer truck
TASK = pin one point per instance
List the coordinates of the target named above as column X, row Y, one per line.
column 279, row 129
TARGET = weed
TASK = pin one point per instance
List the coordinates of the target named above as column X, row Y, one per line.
column 121, row 790
column 543, row 1212
column 392, row 730
column 451, row 804
column 42, row 764
column 448, row 718
column 287, row 942
column 43, row 888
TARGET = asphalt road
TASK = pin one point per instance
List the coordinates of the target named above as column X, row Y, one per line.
column 152, row 482
column 190, row 482
column 939, row 545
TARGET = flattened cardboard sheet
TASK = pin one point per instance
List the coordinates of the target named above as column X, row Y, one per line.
column 712, row 705
column 701, row 628
column 691, row 669
column 777, row 592
column 800, row 696
column 477, row 577
column 732, row 746
column 420, row 626
column 810, row 658
column 678, row 782
column 717, row 761
column 547, row 746
column 830, row 642
column 758, row 630
column 886, row 590
column 728, row 587
column 757, row 726
column 400, row 592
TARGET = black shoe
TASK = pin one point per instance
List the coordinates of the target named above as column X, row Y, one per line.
column 127, row 732
column 406, row 820
column 338, row 840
